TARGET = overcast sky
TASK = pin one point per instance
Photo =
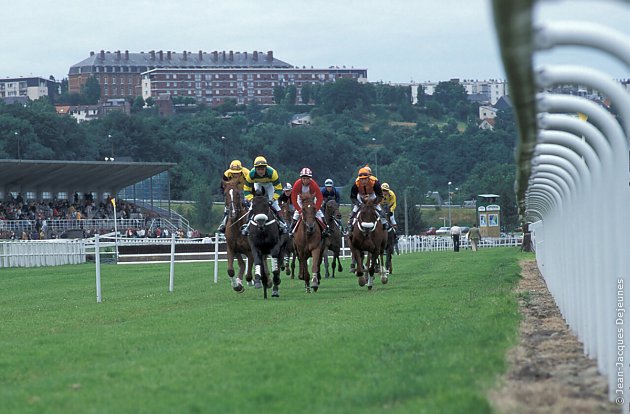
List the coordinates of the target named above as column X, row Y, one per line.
column 397, row 41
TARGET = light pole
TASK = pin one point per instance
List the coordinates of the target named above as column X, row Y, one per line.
column 223, row 140
column 375, row 155
column 109, row 136
column 449, row 204
column 17, row 137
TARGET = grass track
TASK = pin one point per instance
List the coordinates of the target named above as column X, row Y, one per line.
column 431, row 341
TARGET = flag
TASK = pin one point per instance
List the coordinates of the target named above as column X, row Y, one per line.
column 114, row 202
column 583, row 117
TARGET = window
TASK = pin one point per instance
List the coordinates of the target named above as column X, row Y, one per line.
column 62, row 195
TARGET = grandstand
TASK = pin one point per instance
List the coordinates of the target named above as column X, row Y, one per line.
column 52, row 199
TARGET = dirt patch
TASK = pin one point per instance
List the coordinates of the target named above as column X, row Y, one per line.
column 547, row 370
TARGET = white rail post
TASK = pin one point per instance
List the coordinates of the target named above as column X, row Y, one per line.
column 216, row 257
column 97, row 260
column 172, row 272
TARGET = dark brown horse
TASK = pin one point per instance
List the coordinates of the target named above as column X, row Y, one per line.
column 308, row 243
column 287, row 252
column 333, row 242
column 369, row 236
column 237, row 244
column 264, row 240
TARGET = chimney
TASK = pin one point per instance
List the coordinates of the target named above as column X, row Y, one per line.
column 168, row 55
column 255, row 58
column 215, row 56
column 245, row 56
column 200, row 55
column 223, row 53
column 126, row 55
column 152, row 53
column 270, row 56
column 185, row 55
column 118, row 55
column 102, row 54
column 91, row 53
column 231, row 58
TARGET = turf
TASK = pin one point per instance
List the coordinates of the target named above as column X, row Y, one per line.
column 432, row 340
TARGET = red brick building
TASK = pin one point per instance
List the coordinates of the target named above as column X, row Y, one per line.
column 207, row 77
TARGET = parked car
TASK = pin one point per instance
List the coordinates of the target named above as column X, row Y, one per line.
column 443, row 231
column 428, row 232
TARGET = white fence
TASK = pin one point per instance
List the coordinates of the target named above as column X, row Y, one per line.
column 573, row 176
column 29, row 253
column 35, row 253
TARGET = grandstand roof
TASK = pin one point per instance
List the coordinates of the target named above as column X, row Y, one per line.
column 28, row 175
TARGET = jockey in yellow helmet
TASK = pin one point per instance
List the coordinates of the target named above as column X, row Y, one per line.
column 263, row 176
column 235, row 174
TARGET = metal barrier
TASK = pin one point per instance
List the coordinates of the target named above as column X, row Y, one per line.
column 573, row 179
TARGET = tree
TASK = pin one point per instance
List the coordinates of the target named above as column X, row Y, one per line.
column 345, row 94
column 278, row 94
column 449, row 94
column 91, row 91
column 306, row 93
column 138, row 104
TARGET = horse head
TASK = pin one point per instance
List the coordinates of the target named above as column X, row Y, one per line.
column 308, row 213
column 261, row 213
column 233, row 200
column 368, row 217
column 332, row 210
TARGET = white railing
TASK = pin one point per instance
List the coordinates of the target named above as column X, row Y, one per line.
column 572, row 184
column 36, row 253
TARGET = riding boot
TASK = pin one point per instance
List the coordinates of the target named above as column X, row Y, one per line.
column 283, row 226
column 245, row 227
column 349, row 225
column 221, row 228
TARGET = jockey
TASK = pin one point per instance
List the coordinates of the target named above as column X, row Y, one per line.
column 306, row 184
column 366, row 186
column 263, row 176
column 329, row 191
column 389, row 199
column 235, row 174
column 285, row 197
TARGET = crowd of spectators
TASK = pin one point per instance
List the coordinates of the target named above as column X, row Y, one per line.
column 34, row 220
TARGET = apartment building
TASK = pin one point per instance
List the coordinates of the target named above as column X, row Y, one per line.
column 244, row 85
column 32, row 88
column 209, row 77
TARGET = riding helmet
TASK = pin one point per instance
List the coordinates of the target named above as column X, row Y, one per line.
column 329, row 183
column 306, row 172
column 385, row 186
column 287, row 187
column 260, row 161
column 364, row 172
column 236, row 166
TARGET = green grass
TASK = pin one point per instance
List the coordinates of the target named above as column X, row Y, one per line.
column 431, row 341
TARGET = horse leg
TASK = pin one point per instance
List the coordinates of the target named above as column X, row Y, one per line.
column 357, row 255
column 258, row 271
column 293, row 265
column 250, row 265
column 276, row 276
column 315, row 267
column 385, row 271
column 237, row 283
column 326, row 267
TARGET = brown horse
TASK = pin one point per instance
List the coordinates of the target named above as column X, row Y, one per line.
column 287, row 255
column 333, row 241
column 237, row 244
column 368, row 235
column 308, row 243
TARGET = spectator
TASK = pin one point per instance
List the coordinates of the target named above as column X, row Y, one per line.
column 456, row 233
column 474, row 235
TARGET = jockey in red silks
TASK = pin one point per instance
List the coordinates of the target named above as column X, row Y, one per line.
column 306, row 184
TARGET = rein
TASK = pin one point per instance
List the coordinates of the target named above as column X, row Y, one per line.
column 366, row 229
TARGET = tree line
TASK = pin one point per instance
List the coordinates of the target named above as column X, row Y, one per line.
column 415, row 148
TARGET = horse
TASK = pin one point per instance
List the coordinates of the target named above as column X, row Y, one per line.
column 368, row 235
column 392, row 242
column 237, row 244
column 307, row 239
column 287, row 262
column 264, row 240
column 333, row 241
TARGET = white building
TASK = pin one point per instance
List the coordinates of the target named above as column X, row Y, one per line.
column 31, row 88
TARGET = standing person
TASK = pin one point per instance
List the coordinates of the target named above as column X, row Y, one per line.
column 263, row 176
column 306, row 184
column 474, row 235
column 456, row 233
column 236, row 173
column 389, row 199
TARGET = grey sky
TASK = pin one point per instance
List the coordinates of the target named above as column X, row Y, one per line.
column 398, row 41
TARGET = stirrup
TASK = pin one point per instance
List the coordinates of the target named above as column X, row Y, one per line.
column 221, row 228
